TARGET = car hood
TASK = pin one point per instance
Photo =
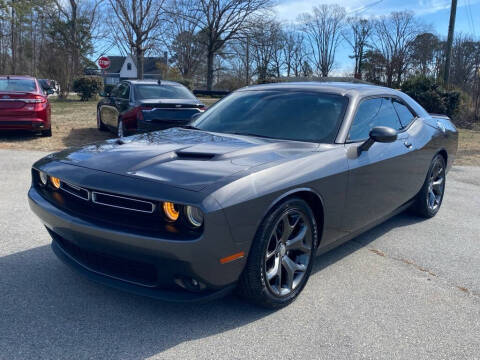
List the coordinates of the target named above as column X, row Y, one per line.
column 189, row 159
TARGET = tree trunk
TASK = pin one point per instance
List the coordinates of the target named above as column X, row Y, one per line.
column 139, row 54
column 210, row 57
column 13, row 40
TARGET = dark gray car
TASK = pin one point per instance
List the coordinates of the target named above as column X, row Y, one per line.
column 246, row 195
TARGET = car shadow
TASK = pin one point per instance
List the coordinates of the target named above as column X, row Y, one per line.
column 49, row 311
column 82, row 136
column 363, row 240
column 18, row 135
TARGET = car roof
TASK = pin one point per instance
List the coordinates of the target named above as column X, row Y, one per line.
column 152, row 81
column 17, row 77
column 340, row 88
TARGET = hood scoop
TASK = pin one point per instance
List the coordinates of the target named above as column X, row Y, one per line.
column 189, row 155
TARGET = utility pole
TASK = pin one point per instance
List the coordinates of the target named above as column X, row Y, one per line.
column 451, row 28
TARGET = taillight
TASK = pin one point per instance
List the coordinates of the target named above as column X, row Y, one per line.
column 202, row 108
column 37, row 99
column 139, row 114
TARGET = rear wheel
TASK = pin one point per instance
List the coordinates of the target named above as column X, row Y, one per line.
column 430, row 197
column 120, row 128
column 281, row 257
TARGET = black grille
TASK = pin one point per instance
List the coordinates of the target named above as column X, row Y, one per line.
column 75, row 190
column 121, row 268
column 121, row 202
column 113, row 217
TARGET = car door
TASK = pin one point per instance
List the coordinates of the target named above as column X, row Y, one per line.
column 377, row 177
column 107, row 109
column 122, row 100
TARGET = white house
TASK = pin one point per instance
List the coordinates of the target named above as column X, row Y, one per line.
column 125, row 67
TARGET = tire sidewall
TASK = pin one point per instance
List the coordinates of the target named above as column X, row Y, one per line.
column 263, row 237
column 424, row 197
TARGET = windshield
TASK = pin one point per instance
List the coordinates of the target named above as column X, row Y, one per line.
column 17, row 85
column 290, row 115
column 155, row 91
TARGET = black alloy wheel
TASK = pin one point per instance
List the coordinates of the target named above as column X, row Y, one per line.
column 430, row 197
column 281, row 257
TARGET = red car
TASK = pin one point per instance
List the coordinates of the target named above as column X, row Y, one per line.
column 24, row 105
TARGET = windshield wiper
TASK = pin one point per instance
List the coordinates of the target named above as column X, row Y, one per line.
column 189, row 127
column 252, row 134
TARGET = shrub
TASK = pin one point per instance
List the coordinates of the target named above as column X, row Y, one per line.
column 87, row 86
column 433, row 97
column 108, row 88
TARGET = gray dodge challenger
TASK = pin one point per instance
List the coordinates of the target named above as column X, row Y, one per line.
column 247, row 194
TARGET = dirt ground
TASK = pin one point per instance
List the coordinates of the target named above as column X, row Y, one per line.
column 74, row 123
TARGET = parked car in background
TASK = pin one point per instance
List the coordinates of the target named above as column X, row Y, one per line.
column 146, row 105
column 48, row 84
column 24, row 105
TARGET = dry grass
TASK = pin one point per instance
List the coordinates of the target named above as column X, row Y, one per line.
column 74, row 123
column 468, row 148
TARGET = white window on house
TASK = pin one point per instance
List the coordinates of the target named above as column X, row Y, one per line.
column 111, row 80
column 129, row 66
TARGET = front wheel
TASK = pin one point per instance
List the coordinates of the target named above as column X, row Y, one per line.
column 429, row 199
column 281, row 257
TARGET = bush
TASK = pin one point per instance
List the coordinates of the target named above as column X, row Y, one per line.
column 433, row 97
column 87, row 86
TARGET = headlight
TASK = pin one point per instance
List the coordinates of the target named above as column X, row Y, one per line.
column 171, row 212
column 194, row 216
column 43, row 178
column 55, row 182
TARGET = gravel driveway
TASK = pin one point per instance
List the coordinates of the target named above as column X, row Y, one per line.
column 407, row 289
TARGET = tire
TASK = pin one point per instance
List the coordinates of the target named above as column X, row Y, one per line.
column 265, row 280
column 429, row 200
column 120, row 128
column 100, row 125
column 47, row 133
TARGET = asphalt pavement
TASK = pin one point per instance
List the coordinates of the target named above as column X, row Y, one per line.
column 407, row 289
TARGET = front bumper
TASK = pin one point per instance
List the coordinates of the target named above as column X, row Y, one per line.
column 144, row 265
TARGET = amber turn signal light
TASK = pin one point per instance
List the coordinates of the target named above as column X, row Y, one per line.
column 170, row 211
column 230, row 258
column 55, row 182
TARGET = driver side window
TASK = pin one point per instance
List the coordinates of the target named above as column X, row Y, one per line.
column 124, row 91
column 371, row 113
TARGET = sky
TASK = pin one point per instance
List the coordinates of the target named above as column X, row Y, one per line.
column 434, row 13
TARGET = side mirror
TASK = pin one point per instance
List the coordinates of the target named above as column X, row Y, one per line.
column 50, row 91
column 382, row 134
column 195, row 116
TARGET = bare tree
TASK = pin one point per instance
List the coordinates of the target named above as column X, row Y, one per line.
column 184, row 41
column 423, row 50
column 221, row 21
column 323, row 28
column 265, row 38
column 138, row 26
column 394, row 35
column 357, row 38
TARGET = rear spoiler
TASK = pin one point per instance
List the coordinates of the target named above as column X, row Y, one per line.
column 439, row 116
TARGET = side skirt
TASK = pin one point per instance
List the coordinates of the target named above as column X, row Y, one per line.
column 322, row 250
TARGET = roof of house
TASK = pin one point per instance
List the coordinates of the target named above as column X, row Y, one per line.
column 149, row 64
